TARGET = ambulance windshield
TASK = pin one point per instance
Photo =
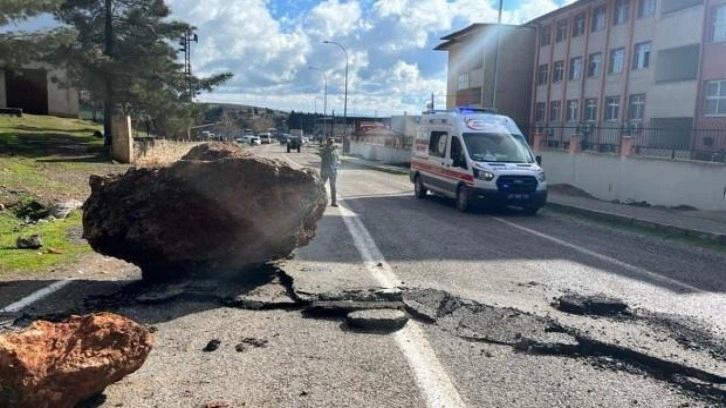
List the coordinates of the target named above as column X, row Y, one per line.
column 497, row 147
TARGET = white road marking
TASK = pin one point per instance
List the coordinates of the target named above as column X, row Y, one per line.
column 35, row 296
column 632, row 268
column 434, row 382
column 432, row 379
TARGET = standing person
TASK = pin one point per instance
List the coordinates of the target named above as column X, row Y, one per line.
column 330, row 161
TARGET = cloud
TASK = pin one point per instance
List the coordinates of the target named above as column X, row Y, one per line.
column 269, row 45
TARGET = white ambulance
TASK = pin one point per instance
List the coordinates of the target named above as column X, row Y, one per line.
column 475, row 155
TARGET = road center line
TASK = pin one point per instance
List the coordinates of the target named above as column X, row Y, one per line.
column 432, row 379
column 632, row 268
column 35, row 296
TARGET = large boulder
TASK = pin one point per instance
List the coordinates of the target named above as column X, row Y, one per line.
column 217, row 211
column 61, row 364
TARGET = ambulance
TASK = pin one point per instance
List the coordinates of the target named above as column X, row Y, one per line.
column 476, row 155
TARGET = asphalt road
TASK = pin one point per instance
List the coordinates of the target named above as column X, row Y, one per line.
column 665, row 354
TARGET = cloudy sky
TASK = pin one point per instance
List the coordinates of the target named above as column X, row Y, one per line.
column 269, row 45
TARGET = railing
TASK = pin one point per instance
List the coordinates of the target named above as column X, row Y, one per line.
column 674, row 143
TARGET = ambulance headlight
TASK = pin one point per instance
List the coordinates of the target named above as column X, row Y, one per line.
column 484, row 175
column 541, row 177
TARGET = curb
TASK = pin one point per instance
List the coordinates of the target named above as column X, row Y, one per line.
column 713, row 237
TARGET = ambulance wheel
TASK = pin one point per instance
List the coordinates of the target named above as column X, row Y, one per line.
column 419, row 190
column 462, row 199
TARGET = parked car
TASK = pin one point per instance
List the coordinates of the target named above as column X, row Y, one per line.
column 250, row 140
column 255, row 140
column 265, row 138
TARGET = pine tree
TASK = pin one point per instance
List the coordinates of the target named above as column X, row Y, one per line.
column 19, row 47
column 124, row 55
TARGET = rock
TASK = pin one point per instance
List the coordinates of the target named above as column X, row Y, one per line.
column 220, row 210
column 60, row 364
column 31, row 242
column 2, row 207
column 212, row 345
column 63, row 209
column 377, row 319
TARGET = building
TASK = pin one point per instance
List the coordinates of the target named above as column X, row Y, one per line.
column 475, row 66
column 33, row 89
column 651, row 69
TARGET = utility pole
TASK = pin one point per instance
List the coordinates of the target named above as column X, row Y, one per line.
column 186, row 42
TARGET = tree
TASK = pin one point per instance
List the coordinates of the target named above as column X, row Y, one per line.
column 123, row 55
column 20, row 47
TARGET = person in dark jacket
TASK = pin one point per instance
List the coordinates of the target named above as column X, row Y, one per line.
column 330, row 161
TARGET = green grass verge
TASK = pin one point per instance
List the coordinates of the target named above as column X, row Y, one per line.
column 46, row 158
column 54, row 235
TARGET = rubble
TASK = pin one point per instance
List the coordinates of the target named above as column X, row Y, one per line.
column 61, row 364
column 220, row 210
column 29, row 242
column 379, row 320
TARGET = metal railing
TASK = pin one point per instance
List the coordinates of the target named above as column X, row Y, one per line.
column 683, row 143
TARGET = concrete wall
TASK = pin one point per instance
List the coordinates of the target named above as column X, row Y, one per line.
column 62, row 101
column 380, row 153
column 656, row 181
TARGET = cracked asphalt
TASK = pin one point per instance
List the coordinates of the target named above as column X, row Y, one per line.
column 481, row 291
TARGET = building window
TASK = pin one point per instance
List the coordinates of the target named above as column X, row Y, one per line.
column 646, row 8
column 561, row 31
column 678, row 64
column 620, row 14
column 636, row 107
column 575, row 68
column 594, row 65
column 669, row 6
column 617, row 58
column 578, row 26
column 542, row 74
column 539, row 111
column 718, row 32
column 572, row 110
column 558, row 71
column 590, row 109
column 716, row 97
column 598, row 18
column 641, row 55
column 555, row 111
column 463, row 81
column 612, row 108
column 545, row 33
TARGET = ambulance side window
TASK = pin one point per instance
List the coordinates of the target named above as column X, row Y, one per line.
column 457, row 153
column 437, row 144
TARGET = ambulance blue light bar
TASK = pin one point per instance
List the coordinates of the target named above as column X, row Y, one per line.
column 465, row 109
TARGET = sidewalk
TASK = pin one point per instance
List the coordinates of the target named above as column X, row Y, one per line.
column 706, row 225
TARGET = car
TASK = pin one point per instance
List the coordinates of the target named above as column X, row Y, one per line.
column 255, row 140
column 294, row 142
column 250, row 140
column 265, row 138
column 283, row 138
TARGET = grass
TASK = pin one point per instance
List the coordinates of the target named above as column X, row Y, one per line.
column 47, row 159
column 54, row 235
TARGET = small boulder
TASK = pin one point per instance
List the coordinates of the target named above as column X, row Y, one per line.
column 31, row 242
column 61, row 364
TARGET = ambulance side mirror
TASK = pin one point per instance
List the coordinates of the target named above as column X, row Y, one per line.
column 538, row 159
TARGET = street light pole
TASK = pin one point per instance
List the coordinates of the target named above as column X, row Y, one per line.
column 496, row 56
column 325, row 95
column 345, row 98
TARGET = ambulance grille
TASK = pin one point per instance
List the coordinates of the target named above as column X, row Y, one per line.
column 517, row 184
